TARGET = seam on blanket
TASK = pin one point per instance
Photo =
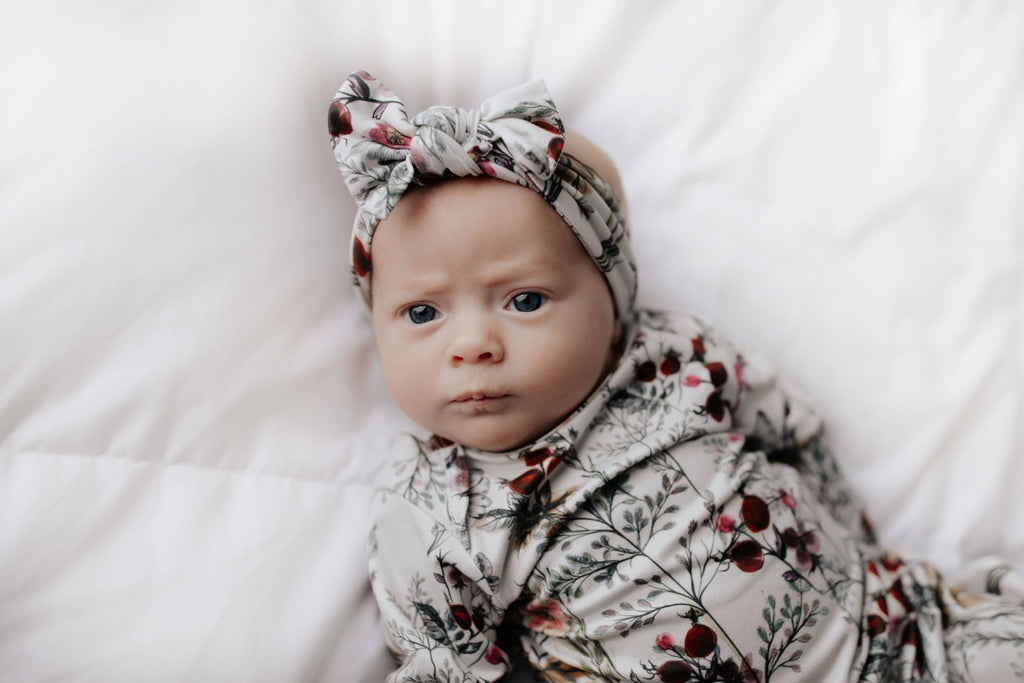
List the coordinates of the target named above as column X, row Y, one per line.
column 337, row 479
column 1017, row 326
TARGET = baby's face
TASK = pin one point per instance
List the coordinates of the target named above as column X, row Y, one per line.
column 491, row 321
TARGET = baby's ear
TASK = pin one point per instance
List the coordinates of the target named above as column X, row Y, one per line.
column 584, row 149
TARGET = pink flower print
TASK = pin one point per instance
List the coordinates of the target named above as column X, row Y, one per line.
column 459, row 481
column 724, row 523
column 691, row 381
column 388, row 136
column 456, row 579
column 546, row 616
column 438, row 442
column 750, row 674
column 664, row 641
column 494, row 655
column 458, row 472
column 786, row 499
column 805, row 543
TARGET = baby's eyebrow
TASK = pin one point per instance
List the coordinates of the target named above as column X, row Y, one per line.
column 511, row 272
column 425, row 285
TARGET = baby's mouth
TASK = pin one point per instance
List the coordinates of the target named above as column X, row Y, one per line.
column 478, row 397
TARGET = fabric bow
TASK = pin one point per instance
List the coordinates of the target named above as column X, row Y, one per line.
column 380, row 151
column 516, row 135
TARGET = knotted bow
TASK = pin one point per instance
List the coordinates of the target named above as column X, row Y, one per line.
column 516, row 135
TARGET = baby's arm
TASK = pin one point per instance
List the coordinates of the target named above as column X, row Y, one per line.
column 439, row 621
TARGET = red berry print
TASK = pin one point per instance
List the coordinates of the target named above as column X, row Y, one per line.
column 549, row 127
column 339, row 120
column 555, row 147
column 715, row 407
column 882, row 605
column 901, row 597
column 360, row 258
column 718, row 373
column 891, row 562
column 554, row 462
column 747, row 556
column 527, row 482
column 670, row 365
column 537, row 456
column 700, row 641
column 675, row 671
column 461, row 615
column 755, row 513
column 698, row 347
column 876, row 625
column 647, row 371
column 494, row 655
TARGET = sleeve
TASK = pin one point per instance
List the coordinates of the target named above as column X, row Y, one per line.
column 439, row 620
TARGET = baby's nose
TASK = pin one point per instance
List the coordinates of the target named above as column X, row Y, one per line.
column 476, row 342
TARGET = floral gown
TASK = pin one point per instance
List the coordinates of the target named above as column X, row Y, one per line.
column 686, row 523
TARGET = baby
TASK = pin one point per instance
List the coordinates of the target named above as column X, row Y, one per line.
column 609, row 494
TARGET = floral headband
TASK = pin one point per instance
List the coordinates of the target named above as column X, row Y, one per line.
column 515, row 135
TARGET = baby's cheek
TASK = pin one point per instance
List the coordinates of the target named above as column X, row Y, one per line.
column 405, row 378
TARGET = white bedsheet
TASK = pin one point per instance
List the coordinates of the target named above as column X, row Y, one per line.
column 190, row 409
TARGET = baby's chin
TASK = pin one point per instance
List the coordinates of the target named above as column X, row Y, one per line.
column 495, row 440
column 496, row 443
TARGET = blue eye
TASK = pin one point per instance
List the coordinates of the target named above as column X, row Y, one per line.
column 420, row 314
column 527, row 302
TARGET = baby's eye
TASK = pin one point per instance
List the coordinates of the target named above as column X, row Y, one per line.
column 420, row 314
column 527, row 302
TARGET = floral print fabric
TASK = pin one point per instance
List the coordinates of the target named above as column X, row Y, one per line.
column 516, row 135
column 686, row 523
